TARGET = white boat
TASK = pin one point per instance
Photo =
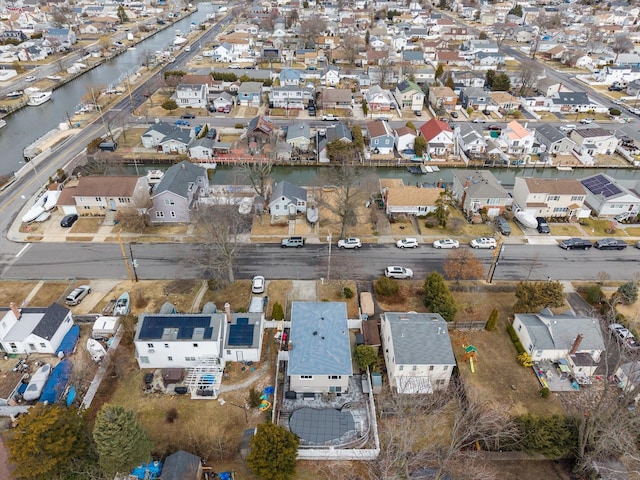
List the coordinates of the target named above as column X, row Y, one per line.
column 43, row 217
column 37, row 383
column 38, row 98
column 563, row 168
column 95, row 349
column 3, row 123
column 37, row 209
column 179, row 39
column 123, row 305
column 525, row 218
column 435, row 168
column 154, row 176
column 55, row 78
column 52, row 199
column 15, row 94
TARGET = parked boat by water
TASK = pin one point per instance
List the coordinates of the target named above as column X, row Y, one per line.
column 154, row 177
column 55, row 78
column 95, row 349
column 37, row 209
column 38, row 97
column 123, row 305
column 37, row 383
column 3, row 123
column 15, row 94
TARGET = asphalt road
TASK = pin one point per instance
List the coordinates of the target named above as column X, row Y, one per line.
column 168, row 261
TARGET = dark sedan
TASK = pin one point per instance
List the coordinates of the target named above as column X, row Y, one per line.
column 68, row 220
column 610, row 244
column 576, row 244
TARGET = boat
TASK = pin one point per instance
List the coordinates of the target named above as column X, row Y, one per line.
column 435, row 168
column 68, row 344
column 37, row 383
column 123, row 305
column 95, row 349
column 38, row 98
column 52, row 199
column 525, row 218
column 36, row 210
column 43, row 217
column 3, row 123
column 55, row 78
column 15, row 94
column 57, row 383
column 179, row 39
column 563, row 168
column 154, row 177
column 312, row 214
column 245, row 206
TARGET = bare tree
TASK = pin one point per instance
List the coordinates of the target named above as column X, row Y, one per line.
column 530, row 71
column 621, row 44
column 310, row 29
column 351, row 45
column 500, row 33
column 463, row 265
column 259, row 175
column 385, row 69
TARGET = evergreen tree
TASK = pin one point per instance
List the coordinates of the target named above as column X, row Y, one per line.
column 628, row 293
column 273, row 453
column 492, row 323
column 122, row 15
column 501, row 83
column 419, row 146
column 121, row 442
column 439, row 71
column 534, row 296
column 517, row 11
column 365, row 356
column 489, row 78
column 438, row 298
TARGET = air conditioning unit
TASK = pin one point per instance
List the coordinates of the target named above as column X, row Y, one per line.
column 151, row 350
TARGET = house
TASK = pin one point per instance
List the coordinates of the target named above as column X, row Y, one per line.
column 221, row 102
column 33, row 53
column 181, row 465
column 469, row 139
column 518, row 139
column 378, row 99
column 156, row 133
column 476, row 98
column 381, row 138
column 290, row 97
column 299, row 136
column 339, row 131
column 289, row 77
column 439, row 137
column 250, row 94
column 60, row 36
column 550, row 197
column 553, row 140
column 177, row 195
column 260, row 129
column 405, row 138
column 413, row 57
column 409, row 96
column 628, row 377
column 504, row 101
column 126, row 195
column 224, row 53
column 477, row 190
column 177, row 141
column 330, row 76
column 287, row 199
column 486, row 60
column 319, row 348
column 417, row 352
column 13, row 35
column 201, row 149
column 442, row 97
column 191, row 95
column 409, row 200
column 570, row 102
column 594, row 141
column 334, row 98
column 549, row 337
column 607, row 197
column 34, row 330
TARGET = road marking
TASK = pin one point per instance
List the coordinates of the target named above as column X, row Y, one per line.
column 23, row 249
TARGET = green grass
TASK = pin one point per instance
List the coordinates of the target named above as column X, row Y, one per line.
column 565, row 230
column 598, row 228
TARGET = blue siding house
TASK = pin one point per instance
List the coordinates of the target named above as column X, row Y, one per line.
column 381, row 138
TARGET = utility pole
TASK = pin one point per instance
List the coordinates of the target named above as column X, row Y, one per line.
column 494, row 261
column 134, row 264
column 126, row 260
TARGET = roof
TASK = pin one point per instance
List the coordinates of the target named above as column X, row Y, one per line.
column 181, row 465
column 340, row 131
column 181, row 135
column 51, row 321
column 559, row 332
column 410, row 196
column 407, row 85
column 178, row 327
column 298, row 130
column 420, row 339
column 481, row 184
column 379, row 128
column 102, row 186
column 401, row 131
column 555, row 186
column 161, row 127
column 590, row 132
column 289, row 191
column 244, row 330
column 604, row 185
column 340, row 95
column 320, row 338
column 433, row 128
column 548, row 133
column 250, row 87
column 516, row 131
column 261, row 123
column 179, row 178
column 571, row 98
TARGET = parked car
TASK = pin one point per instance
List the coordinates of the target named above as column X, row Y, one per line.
column 576, row 244
column 30, row 78
column 68, row 220
column 543, row 226
column 296, row 242
column 211, row 133
column 495, row 128
column 182, row 123
column 329, row 117
column 454, row 114
column 586, row 121
column 610, row 244
column 257, row 284
column 417, row 113
column 615, row 88
column 398, row 272
column 502, row 225
column 484, row 242
column 188, row 116
column 407, row 243
column 76, row 296
column 624, row 336
column 351, row 242
column 567, row 128
column 446, row 243
column 635, row 111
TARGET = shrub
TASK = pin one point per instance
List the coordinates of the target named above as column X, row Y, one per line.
column 492, row 322
column 512, row 333
column 277, row 312
column 614, row 112
column 519, row 348
column 169, row 105
column 348, row 293
column 430, row 221
column 172, row 414
column 592, row 294
column 544, row 392
column 387, row 287
column 238, row 126
column 628, row 293
column 254, row 399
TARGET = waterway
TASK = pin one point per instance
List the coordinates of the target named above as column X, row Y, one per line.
column 28, row 124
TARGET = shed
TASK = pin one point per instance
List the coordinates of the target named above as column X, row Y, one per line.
column 172, row 375
column 105, row 326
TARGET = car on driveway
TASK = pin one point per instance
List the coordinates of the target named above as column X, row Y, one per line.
column 182, row 123
column 454, row 114
column 257, row 284
column 68, row 220
column 543, row 226
column 576, row 244
column 484, row 242
column 76, row 296
column 407, row 243
column 351, row 242
column 624, row 336
column 502, row 225
column 398, row 272
column 446, row 243
column 610, row 244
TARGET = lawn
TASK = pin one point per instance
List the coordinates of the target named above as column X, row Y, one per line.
column 238, row 295
column 17, row 292
column 598, row 228
column 332, row 291
column 560, row 230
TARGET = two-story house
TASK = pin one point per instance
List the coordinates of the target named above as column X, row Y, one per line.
column 544, row 197
column 553, row 140
column 476, row 98
column 594, row 141
column 191, row 95
column 405, row 138
column 299, row 136
column 475, row 190
column 290, row 97
column 469, row 139
column 381, row 139
column 289, row 77
column 442, row 97
column 378, row 99
column 518, row 139
column 417, row 352
column 439, row 137
column 409, row 96
column 250, row 94
column 607, row 197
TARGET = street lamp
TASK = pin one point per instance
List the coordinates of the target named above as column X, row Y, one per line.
column 33, row 165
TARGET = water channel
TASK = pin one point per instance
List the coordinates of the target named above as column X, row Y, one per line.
column 28, row 124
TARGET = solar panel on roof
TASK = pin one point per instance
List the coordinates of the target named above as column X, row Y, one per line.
column 600, row 185
column 153, row 326
column 241, row 335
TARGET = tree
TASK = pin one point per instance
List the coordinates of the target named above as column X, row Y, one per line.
column 358, row 139
column 529, row 72
column 439, row 71
column 121, row 442
column 534, row 296
column 259, row 175
column 277, row 312
column 410, row 125
column 482, row 36
column 489, row 78
column 365, row 356
column 554, row 436
column 462, row 264
column 385, row 69
column 517, row 11
column 170, row 105
column 420, row 146
column 621, row 44
column 492, row 322
column 438, row 298
column 367, row 38
column 122, row 15
column 273, row 453
column 47, row 440
column 449, row 82
column 442, row 207
column 502, row 83
column 628, row 293
column 351, row 46
column 310, row 29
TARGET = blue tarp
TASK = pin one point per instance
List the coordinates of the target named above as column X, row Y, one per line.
column 150, row 470
column 69, row 341
column 225, row 476
column 71, row 396
column 57, row 382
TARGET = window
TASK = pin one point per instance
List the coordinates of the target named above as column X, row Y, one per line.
column 401, row 367
column 306, row 377
column 150, row 345
column 166, row 345
column 577, row 198
column 415, row 367
column 493, row 201
column 553, row 198
column 195, row 345
column 519, row 327
column 159, row 214
column 560, row 210
column 430, row 368
column 445, row 368
column 440, row 381
column 169, row 201
column 375, row 142
column 43, row 345
column 170, row 359
column 144, row 359
column 172, row 214
column 228, row 352
column 515, row 144
column 98, row 199
column 189, row 359
column 335, row 377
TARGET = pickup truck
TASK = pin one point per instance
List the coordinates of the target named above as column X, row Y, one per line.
column 297, row 242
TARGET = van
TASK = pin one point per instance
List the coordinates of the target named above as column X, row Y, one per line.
column 296, row 242
column 503, row 226
column 108, row 146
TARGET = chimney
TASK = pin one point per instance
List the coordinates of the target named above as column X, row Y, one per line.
column 14, row 309
column 227, row 311
column 576, row 344
column 467, row 184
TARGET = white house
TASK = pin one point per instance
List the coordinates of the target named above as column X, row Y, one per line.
column 417, row 352
column 550, row 197
column 469, row 139
column 191, row 96
column 405, row 138
column 608, row 198
column 518, row 139
column 594, row 141
column 287, row 199
column 319, row 348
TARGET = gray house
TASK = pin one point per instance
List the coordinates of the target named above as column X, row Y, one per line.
column 475, row 190
column 319, row 348
column 298, row 136
column 476, row 98
column 287, row 199
column 177, row 141
column 182, row 465
column 178, row 193
column 156, row 133
column 554, row 140
column 469, row 139
column 202, row 149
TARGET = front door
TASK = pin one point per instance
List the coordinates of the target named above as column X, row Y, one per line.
column 239, row 356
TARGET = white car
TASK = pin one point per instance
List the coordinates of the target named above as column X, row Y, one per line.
column 329, row 117
column 257, row 284
column 351, row 242
column 635, row 110
column 30, row 78
column 587, row 121
column 446, row 243
column 407, row 243
column 76, row 296
column 398, row 272
column 624, row 335
column 567, row 128
column 618, row 101
column 484, row 242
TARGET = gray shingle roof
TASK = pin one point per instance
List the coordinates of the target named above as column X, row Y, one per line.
column 553, row 332
column 179, row 177
column 572, row 98
column 161, row 127
column 182, row 135
column 53, row 317
column 298, row 130
column 420, row 339
column 181, row 465
column 288, row 190
column 320, row 338
column 482, row 184
column 340, row 131
column 549, row 134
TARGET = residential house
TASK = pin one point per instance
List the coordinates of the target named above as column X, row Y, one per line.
column 378, row 99
column 409, row 96
column 553, row 141
column 339, row 131
column 178, row 193
column 289, row 77
column 60, row 36
column 299, row 136
column 34, row 330
column 504, row 101
column 177, row 141
column 17, row 35
column 319, row 348
column 250, row 94
column 221, row 101
column 477, row 190
column 33, row 53
column 156, row 133
column 405, row 138
column 518, row 139
column 260, row 130
column 608, row 198
column 451, row 58
column 330, row 76
column 439, row 137
column 417, row 352
column 442, row 97
column 549, row 337
column 627, row 377
column 485, row 60
column 381, row 138
column 469, row 139
column 621, row 74
column 334, row 98
column 290, row 97
column 224, row 53
column 287, row 199
column 594, row 141
column 476, row 98
column 570, row 102
column 544, row 197
column 424, row 74
column 406, row 199
column 182, row 465
column 100, row 194
column 413, row 57
column 201, row 149
column 191, row 96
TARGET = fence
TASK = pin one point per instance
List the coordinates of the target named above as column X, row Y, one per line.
column 466, row 325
